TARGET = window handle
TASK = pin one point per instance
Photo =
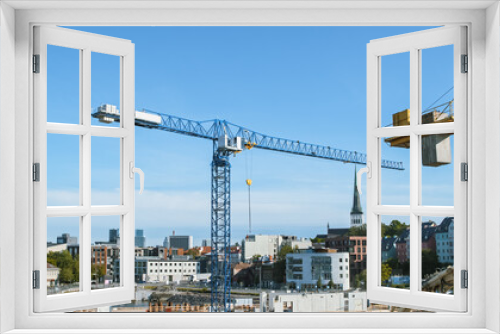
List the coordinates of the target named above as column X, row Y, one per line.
column 368, row 171
column 134, row 170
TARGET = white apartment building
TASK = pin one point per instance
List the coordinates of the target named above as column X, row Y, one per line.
column 264, row 245
column 305, row 268
column 157, row 269
column 269, row 245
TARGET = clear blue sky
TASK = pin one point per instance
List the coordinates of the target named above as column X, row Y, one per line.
column 305, row 83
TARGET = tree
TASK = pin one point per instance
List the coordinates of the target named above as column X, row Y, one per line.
column 358, row 231
column 330, row 284
column 361, row 279
column 317, row 240
column 280, row 263
column 319, row 284
column 430, row 262
column 76, row 270
column 386, row 272
column 99, row 271
column 66, row 275
column 285, row 249
column 69, row 267
column 395, row 228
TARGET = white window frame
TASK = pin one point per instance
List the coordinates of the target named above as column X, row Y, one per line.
column 86, row 44
column 414, row 43
column 482, row 19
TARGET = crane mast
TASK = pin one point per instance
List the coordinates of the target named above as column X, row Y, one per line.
column 229, row 139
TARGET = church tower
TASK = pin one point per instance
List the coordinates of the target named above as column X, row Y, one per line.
column 356, row 211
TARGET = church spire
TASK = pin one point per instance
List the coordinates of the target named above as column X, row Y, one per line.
column 356, row 203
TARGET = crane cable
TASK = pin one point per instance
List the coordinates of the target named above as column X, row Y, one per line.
column 248, row 170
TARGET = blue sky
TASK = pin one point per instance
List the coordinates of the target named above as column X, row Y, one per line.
column 304, row 83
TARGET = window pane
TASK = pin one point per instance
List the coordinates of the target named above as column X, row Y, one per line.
column 437, row 85
column 395, row 251
column 395, row 90
column 437, row 170
column 105, row 259
column 106, row 89
column 63, row 255
column 63, row 85
column 106, row 171
column 438, row 254
column 63, row 170
column 395, row 184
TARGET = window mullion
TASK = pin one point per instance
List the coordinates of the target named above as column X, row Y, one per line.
column 414, row 170
column 85, row 167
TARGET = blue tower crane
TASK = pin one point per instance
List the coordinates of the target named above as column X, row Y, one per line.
column 229, row 139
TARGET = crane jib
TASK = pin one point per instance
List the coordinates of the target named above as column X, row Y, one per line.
column 216, row 129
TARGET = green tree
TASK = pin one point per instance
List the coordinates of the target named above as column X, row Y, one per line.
column 319, row 283
column 317, row 240
column 430, row 262
column 98, row 271
column 66, row 275
column 76, row 270
column 69, row 267
column 386, row 272
column 330, row 284
column 280, row 263
column 395, row 228
column 358, row 231
column 361, row 279
column 286, row 249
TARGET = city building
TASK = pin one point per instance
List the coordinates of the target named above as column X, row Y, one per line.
column 66, row 238
column 107, row 255
column 429, row 235
column 52, row 274
column 165, row 243
column 388, row 248
column 262, row 245
column 445, row 241
column 140, row 239
column 206, row 243
column 74, row 250
column 357, row 218
column 295, row 242
column 305, row 268
column 340, row 240
column 157, row 269
column 51, row 247
column 235, row 254
column 114, row 236
column 180, row 241
column 402, row 251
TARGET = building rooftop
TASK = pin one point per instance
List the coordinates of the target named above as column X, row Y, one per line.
column 445, row 224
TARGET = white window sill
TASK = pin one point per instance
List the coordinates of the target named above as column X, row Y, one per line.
column 250, row 331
